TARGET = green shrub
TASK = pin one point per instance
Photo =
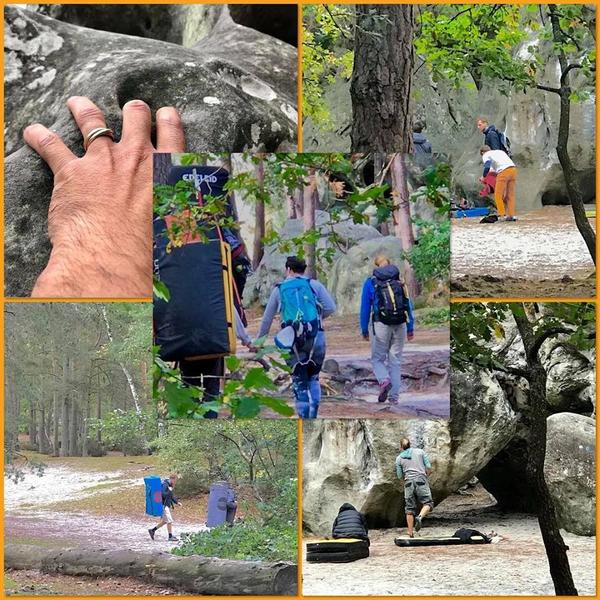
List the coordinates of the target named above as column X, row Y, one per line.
column 248, row 540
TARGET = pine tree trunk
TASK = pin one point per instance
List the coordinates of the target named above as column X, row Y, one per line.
column 259, row 220
column 56, row 424
column 73, row 438
column 403, row 219
column 65, row 430
column 556, row 549
column 382, row 78
column 309, row 224
column 32, row 427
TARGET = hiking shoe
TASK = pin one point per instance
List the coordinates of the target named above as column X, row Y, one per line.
column 151, row 532
column 172, row 538
column 384, row 390
column 510, row 219
column 418, row 524
column 393, row 400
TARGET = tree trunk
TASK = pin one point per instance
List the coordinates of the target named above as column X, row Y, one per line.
column 556, row 549
column 198, row 575
column 259, row 219
column 562, row 149
column 74, row 437
column 382, row 78
column 403, row 219
column 56, row 423
column 43, row 442
column 292, row 213
column 161, row 167
column 309, row 208
column 32, row 427
column 64, row 430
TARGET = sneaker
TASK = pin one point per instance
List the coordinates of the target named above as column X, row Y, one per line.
column 510, row 219
column 418, row 524
column 384, row 390
column 411, row 535
column 151, row 532
column 172, row 538
column 393, row 400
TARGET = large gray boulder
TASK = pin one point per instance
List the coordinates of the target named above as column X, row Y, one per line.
column 271, row 269
column 230, row 95
column 354, row 460
column 570, row 471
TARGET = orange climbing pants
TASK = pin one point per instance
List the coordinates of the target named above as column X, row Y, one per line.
column 504, row 194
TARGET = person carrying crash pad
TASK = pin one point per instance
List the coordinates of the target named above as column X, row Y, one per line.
column 302, row 304
column 506, row 180
column 169, row 501
column 349, row 523
column 413, row 467
column 386, row 314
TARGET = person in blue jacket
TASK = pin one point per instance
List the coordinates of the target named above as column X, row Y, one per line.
column 386, row 316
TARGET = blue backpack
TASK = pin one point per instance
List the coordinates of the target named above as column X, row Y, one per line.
column 299, row 307
column 154, row 505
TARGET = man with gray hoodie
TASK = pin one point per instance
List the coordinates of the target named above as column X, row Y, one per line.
column 413, row 467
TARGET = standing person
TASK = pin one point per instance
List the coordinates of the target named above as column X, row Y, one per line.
column 422, row 146
column 169, row 501
column 491, row 135
column 386, row 307
column 506, row 180
column 302, row 304
column 413, row 466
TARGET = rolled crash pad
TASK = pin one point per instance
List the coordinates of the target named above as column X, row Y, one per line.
column 337, row 551
column 440, row 541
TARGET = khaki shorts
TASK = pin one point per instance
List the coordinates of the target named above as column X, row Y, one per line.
column 166, row 516
column 416, row 491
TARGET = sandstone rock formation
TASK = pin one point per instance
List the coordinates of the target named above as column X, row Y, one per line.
column 235, row 90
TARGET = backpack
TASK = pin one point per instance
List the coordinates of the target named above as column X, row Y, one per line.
column 504, row 142
column 465, row 534
column 299, row 308
column 391, row 301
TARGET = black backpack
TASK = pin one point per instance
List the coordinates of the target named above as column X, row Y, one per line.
column 391, row 301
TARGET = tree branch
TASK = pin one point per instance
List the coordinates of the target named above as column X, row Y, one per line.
column 545, row 88
column 543, row 336
column 563, row 77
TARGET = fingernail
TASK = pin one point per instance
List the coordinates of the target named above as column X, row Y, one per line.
column 137, row 103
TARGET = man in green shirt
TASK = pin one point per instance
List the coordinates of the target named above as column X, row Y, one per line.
column 413, row 466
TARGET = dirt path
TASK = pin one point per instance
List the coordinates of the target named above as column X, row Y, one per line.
column 541, row 255
column 71, row 505
column 350, row 389
column 517, row 565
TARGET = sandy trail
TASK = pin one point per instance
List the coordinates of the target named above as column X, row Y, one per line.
column 541, row 254
column 517, row 565
column 32, row 512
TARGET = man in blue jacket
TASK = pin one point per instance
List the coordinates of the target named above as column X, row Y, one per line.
column 386, row 315
column 490, row 134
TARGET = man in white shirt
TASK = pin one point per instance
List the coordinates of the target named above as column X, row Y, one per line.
column 506, row 180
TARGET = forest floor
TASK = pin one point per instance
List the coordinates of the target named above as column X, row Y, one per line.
column 91, row 502
column 540, row 255
column 515, row 566
column 348, row 384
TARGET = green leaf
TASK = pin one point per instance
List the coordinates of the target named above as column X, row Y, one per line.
column 160, row 290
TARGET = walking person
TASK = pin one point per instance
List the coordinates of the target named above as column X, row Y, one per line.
column 302, row 304
column 386, row 316
column 498, row 162
column 413, row 467
column 493, row 138
column 169, row 501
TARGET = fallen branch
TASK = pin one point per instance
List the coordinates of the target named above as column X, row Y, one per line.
column 195, row 574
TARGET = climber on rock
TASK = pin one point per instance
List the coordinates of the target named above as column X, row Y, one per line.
column 386, row 314
column 413, row 467
column 302, row 304
column 500, row 163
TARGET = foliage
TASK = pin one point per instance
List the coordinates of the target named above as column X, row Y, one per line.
column 476, row 328
column 430, row 258
column 248, row 540
column 125, row 430
column 259, row 453
column 435, row 316
column 479, row 40
column 326, row 54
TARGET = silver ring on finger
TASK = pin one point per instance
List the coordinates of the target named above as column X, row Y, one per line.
column 96, row 133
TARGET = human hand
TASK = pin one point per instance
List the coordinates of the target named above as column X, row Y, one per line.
column 365, row 336
column 100, row 217
column 410, row 336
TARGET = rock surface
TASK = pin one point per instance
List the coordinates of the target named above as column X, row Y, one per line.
column 570, row 471
column 226, row 96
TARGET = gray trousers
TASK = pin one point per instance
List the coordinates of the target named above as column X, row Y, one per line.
column 386, row 354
